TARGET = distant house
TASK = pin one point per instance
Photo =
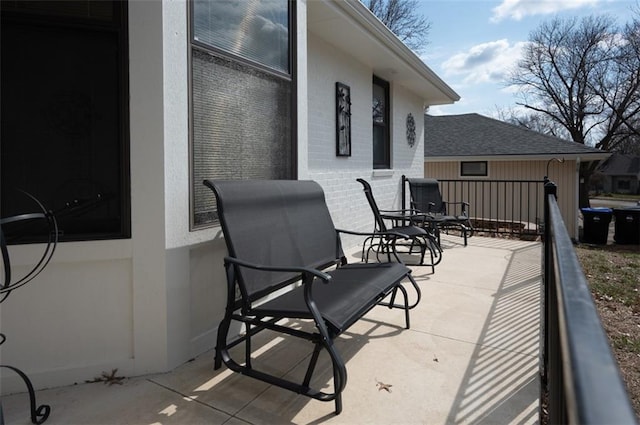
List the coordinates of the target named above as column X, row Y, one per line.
column 472, row 146
column 621, row 174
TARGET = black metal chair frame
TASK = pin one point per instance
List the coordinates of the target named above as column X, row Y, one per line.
column 426, row 199
column 385, row 240
column 279, row 234
column 39, row 414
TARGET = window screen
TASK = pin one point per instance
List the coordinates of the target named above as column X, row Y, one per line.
column 241, row 127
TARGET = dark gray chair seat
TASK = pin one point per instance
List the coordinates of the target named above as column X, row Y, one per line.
column 352, row 291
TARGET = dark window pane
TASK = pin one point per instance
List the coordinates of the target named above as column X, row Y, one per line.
column 62, row 127
column 241, row 127
column 254, row 29
column 379, row 148
column 379, row 105
column 380, row 116
column 84, row 9
column 624, row 184
column 473, row 168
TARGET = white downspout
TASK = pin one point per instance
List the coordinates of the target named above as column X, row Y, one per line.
column 577, row 200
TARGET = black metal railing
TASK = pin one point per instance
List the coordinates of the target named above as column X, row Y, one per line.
column 499, row 206
column 580, row 377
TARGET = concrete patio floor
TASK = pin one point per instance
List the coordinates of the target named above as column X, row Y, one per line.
column 471, row 356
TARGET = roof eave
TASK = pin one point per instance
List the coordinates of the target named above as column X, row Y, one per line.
column 350, row 26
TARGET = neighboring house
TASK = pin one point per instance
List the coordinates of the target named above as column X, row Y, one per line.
column 113, row 114
column 475, row 147
column 621, row 174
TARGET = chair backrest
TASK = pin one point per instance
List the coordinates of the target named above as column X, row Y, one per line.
column 275, row 223
column 380, row 226
column 424, row 193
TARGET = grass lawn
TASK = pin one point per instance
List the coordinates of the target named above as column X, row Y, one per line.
column 613, row 272
column 618, row 196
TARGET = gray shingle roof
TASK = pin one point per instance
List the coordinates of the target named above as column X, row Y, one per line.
column 476, row 135
column 621, row 165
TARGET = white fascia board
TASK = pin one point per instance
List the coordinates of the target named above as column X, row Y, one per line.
column 569, row 157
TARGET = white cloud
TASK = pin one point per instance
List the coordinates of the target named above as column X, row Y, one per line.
column 518, row 9
column 483, row 63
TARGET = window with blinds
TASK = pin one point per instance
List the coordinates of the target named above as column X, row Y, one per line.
column 241, row 96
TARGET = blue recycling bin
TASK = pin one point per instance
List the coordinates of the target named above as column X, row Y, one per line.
column 627, row 227
column 596, row 225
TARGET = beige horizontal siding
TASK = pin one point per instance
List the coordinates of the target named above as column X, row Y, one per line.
column 510, row 201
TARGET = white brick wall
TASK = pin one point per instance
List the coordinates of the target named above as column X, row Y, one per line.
column 326, row 65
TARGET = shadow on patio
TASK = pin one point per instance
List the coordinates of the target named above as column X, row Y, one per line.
column 513, row 328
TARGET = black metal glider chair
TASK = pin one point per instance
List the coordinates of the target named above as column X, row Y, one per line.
column 386, row 241
column 285, row 263
column 441, row 215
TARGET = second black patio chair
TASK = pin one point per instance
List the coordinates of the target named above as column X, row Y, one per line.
column 399, row 240
column 442, row 215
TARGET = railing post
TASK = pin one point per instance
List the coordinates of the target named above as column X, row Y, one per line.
column 403, row 204
column 550, row 188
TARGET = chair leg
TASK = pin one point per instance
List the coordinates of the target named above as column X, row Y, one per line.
column 221, row 341
column 312, row 364
column 433, row 265
column 39, row 414
column 338, row 401
column 436, row 231
column 406, row 306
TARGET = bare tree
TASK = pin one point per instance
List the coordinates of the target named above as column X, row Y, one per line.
column 403, row 19
column 533, row 121
column 584, row 76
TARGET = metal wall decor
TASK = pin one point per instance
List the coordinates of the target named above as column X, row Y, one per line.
column 411, row 130
column 343, row 120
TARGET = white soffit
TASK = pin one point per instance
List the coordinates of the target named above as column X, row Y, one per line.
column 351, row 27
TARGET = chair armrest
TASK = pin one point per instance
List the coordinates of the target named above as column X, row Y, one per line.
column 463, row 203
column 410, row 210
column 404, row 215
column 317, row 273
column 387, row 233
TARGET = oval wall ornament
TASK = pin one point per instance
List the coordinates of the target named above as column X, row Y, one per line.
column 411, row 130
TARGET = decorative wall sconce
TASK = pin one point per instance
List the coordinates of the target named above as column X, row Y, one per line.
column 343, row 120
column 411, row 130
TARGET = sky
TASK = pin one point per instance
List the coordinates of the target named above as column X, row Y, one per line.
column 474, row 43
